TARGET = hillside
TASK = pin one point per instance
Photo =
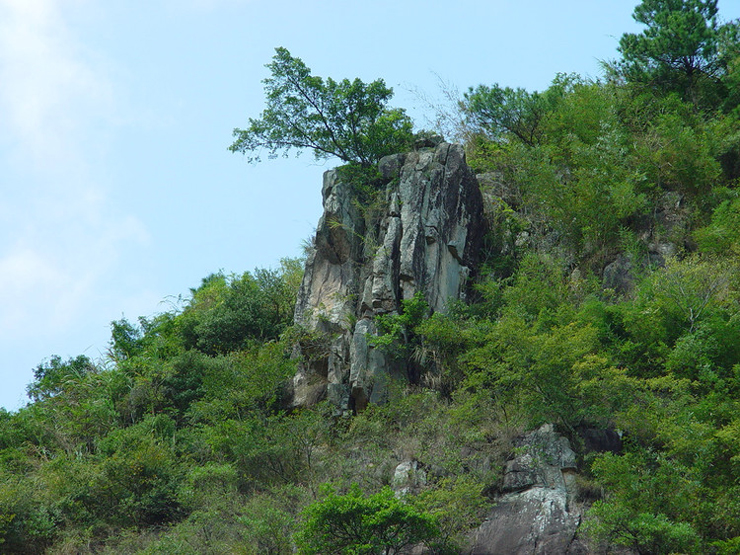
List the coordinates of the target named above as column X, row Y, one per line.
column 552, row 299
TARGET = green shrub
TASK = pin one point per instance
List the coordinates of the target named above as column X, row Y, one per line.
column 352, row 524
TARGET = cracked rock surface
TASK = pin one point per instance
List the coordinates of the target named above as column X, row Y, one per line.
column 535, row 515
column 424, row 236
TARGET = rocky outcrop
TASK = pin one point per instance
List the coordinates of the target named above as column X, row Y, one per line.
column 408, row 478
column 423, row 235
column 663, row 235
column 536, row 513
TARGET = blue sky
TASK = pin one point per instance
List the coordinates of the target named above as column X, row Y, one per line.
column 118, row 192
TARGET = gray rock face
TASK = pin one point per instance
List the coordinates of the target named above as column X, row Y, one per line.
column 425, row 237
column 408, row 478
column 535, row 514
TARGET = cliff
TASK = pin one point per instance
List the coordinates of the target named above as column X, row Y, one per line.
column 422, row 235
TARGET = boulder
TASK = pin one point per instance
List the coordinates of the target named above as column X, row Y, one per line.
column 535, row 513
column 408, row 478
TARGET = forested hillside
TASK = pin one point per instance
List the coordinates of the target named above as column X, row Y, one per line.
column 607, row 298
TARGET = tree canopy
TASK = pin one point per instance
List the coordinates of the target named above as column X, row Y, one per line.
column 501, row 112
column 346, row 119
column 684, row 47
column 353, row 524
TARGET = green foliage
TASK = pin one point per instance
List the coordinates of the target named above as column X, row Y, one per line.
column 500, row 113
column 539, row 288
column 544, row 358
column 268, row 451
column 344, row 119
column 550, row 375
column 683, row 48
column 722, row 235
column 204, row 483
column 140, row 474
column 576, row 179
column 26, row 524
column 236, row 384
column 674, row 301
column 396, row 332
column 457, row 506
column 127, row 340
column 674, row 153
column 268, row 525
column 669, row 492
column 503, row 246
column 112, row 447
column 648, row 496
column 54, row 376
column 444, row 338
column 226, row 313
column 366, row 185
column 644, row 532
column 727, row 547
column 353, row 524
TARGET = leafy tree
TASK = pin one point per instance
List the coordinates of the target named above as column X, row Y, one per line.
column 241, row 382
column 346, row 119
column 140, row 475
column 502, row 112
column 226, row 313
column 278, row 450
column 27, row 525
column 647, row 533
column 675, row 155
column 245, row 312
column 683, row 46
column 396, row 331
column 353, row 524
column 268, row 525
column 722, row 235
column 126, row 339
column 498, row 111
column 53, row 376
column 566, row 160
column 458, row 506
column 676, row 300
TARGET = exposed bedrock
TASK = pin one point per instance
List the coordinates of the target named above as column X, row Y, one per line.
column 423, row 235
column 536, row 513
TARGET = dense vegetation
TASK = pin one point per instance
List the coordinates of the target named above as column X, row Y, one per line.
column 609, row 297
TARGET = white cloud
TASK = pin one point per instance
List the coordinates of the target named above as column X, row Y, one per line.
column 60, row 232
column 50, row 91
column 35, row 292
column 46, row 282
